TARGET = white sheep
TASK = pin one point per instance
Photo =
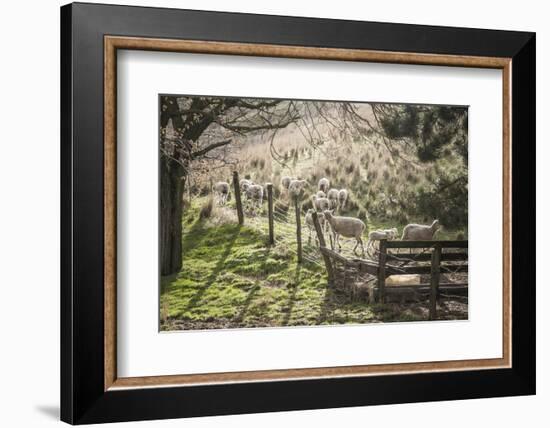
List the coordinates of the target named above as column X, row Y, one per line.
column 255, row 193
column 392, row 233
column 321, row 194
column 296, row 187
column 221, row 189
column 320, row 204
column 244, row 184
column 348, row 227
column 324, row 184
column 285, row 181
column 332, row 196
column 420, row 232
column 342, row 198
column 311, row 226
column 378, row 235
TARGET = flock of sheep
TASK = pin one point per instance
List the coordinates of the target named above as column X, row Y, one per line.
column 325, row 201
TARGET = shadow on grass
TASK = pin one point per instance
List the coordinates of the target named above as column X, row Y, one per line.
column 217, row 269
column 326, row 307
column 292, row 296
column 191, row 238
column 239, row 318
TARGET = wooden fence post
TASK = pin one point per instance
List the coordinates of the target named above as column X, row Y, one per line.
column 382, row 271
column 323, row 244
column 434, row 281
column 237, row 188
column 270, row 213
column 298, row 228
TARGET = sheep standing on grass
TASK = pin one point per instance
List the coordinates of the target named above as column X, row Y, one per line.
column 221, row 189
column 321, row 194
column 348, row 227
column 324, row 185
column 320, row 204
column 296, row 187
column 255, row 194
column 244, row 184
column 311, row 226
column 332, row 196
column 420, row 232
column 285, row 181
column 342, row 198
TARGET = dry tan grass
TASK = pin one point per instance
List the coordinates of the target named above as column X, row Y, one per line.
column 378, row 183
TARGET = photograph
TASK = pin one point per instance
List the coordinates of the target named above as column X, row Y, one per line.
column 264, row 213
column 280, row 212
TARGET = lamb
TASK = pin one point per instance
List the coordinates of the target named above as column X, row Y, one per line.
column 311, row 226
column 392, row 233
column 348, row 227
column 420, row 232
column 378, row 235
column 255, row 193
column 296, row 187
column 285, row 181
column 324, row 184
column 342, row 198
column 221, row 188
column 332, row 196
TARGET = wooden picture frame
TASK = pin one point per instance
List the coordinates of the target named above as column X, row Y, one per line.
column 91, row 390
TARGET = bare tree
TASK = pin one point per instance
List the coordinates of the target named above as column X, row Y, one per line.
column 188, row 130
column 201, row 129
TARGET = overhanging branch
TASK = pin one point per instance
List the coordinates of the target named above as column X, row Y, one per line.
column 208, row 148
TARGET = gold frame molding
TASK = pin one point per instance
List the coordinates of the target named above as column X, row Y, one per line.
column 113, row 43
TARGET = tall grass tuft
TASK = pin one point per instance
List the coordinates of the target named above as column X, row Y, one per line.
column 207, row 208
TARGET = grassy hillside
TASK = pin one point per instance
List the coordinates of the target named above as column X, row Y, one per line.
column 231, row 278
column 387, row 190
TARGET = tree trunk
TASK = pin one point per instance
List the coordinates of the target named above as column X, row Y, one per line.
column 172, row 183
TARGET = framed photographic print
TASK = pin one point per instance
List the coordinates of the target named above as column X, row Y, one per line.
column 265, row 213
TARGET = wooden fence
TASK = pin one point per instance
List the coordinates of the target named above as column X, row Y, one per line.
column 398, row 258
column 432, row 258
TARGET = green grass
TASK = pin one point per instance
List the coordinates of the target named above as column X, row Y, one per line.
column 231, row 278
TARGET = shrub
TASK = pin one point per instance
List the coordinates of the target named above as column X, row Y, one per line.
column 446, row 200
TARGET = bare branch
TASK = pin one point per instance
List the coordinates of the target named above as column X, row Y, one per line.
column 206, row 149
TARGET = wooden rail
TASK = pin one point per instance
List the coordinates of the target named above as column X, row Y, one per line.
column 426, row 244
column 297, row 207
column 382, row 256
column 390, row 263
column 323, row 246
column 270, row 213
column 238, row 202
